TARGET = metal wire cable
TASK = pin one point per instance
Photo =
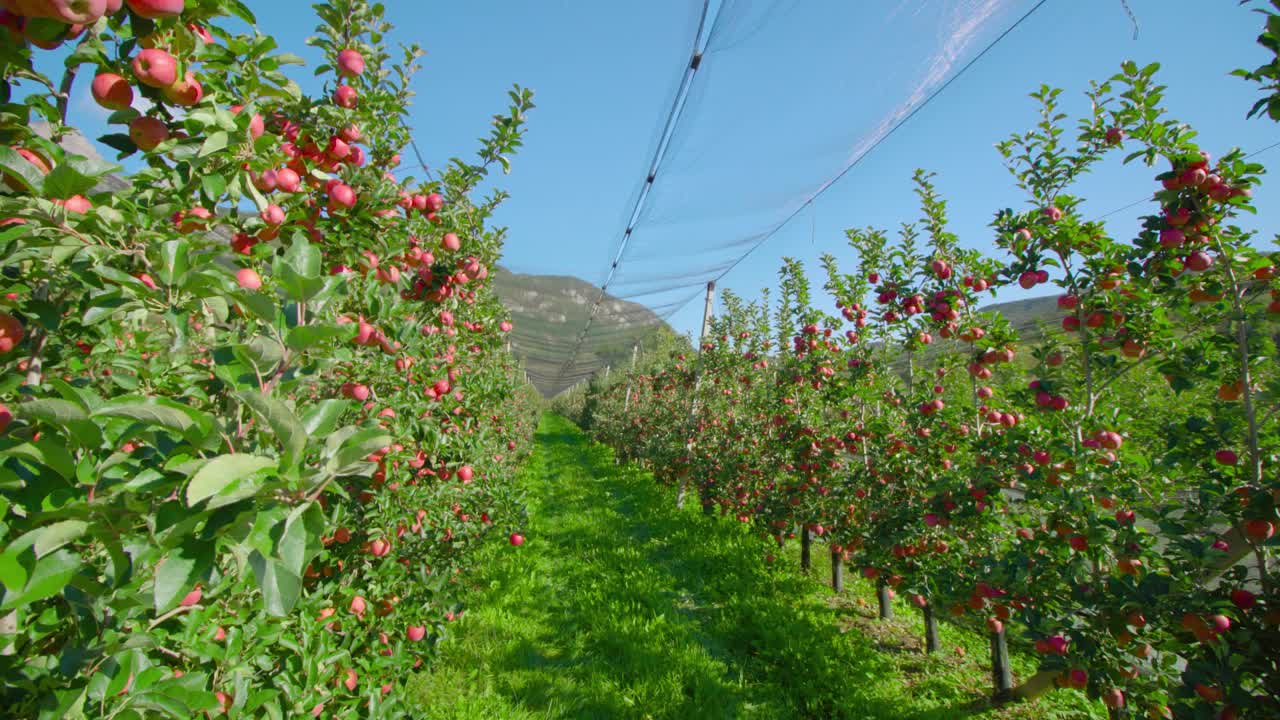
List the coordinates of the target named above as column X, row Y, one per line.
column 858, row 160
column 1151, row 197
column 673, row 118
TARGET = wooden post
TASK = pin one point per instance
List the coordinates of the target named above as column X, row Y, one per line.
column 806, row 546
column 931, row 641
column 882, row 595
column 1001, row 673
column 837, row 571
column 697, row 379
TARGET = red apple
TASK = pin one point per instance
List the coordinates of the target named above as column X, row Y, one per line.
column 154, row 9
column 350, row 63
column 155, row 68
column 11, row 332
column 273, row 215
column 1259, row 531
column 288, row 181
column 77, row 204
column 1113, row 698
column 248, row 279
column 345, row 97
column 517, row 539
column 1199, row 261
column 186, row 92
column 1243, row 599
column 77, row 12
column 112, row 91
column 342, row 196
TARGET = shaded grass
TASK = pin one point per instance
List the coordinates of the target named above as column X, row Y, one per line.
column 620, row 606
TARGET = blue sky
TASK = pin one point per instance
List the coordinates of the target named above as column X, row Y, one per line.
column 605, row 71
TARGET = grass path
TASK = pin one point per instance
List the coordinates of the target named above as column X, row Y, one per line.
column 620, row 606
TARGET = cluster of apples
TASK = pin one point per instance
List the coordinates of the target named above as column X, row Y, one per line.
column 49, row 23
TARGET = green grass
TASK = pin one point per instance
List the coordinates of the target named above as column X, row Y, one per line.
column 620, row 606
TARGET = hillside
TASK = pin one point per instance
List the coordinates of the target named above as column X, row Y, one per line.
column 550, row 310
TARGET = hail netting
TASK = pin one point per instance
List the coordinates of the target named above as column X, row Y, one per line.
column 728, row 179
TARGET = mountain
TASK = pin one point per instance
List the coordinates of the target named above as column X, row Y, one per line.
column 549, row 312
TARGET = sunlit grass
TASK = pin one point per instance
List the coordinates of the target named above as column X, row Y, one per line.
column 620, row 606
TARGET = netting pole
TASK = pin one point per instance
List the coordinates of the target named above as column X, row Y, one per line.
column 931, row 640
column 697, row 379
column 837, row 571
column 806, row 549
column 626, row 404
column 1001, row 673
column 886, row 603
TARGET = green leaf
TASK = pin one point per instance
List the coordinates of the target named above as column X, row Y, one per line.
column 359, row 446
column 192, row 424
column 304, row 337
column 288, row 429
column 299, row 270
column 300, row 541
column 178, row 572
column 12, row 574
column 65, row 414
column 48, row 453
column 281, row 588
column 50, row 576
column 223, row 475
column 262, row 353
column 217, row 141
column 64, row 181
column 20, row 170
column 260, row 304
column 322, row 418
column 119, row 141
column 174, row 262
column 213, row 186
column 52, row 537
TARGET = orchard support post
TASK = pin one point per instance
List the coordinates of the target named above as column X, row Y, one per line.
column 882, row 596
column 697, row 379
column 626, row 404
column 806, row 549
column 931, row 641
column 837, row 571
column 1001, row 673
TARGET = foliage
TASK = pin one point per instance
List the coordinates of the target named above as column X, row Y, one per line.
column 627, row 608
column 1106, row 492
column 241, row 477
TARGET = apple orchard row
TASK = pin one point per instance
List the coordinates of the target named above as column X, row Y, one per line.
column 256, row 413
column 1102, row 488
